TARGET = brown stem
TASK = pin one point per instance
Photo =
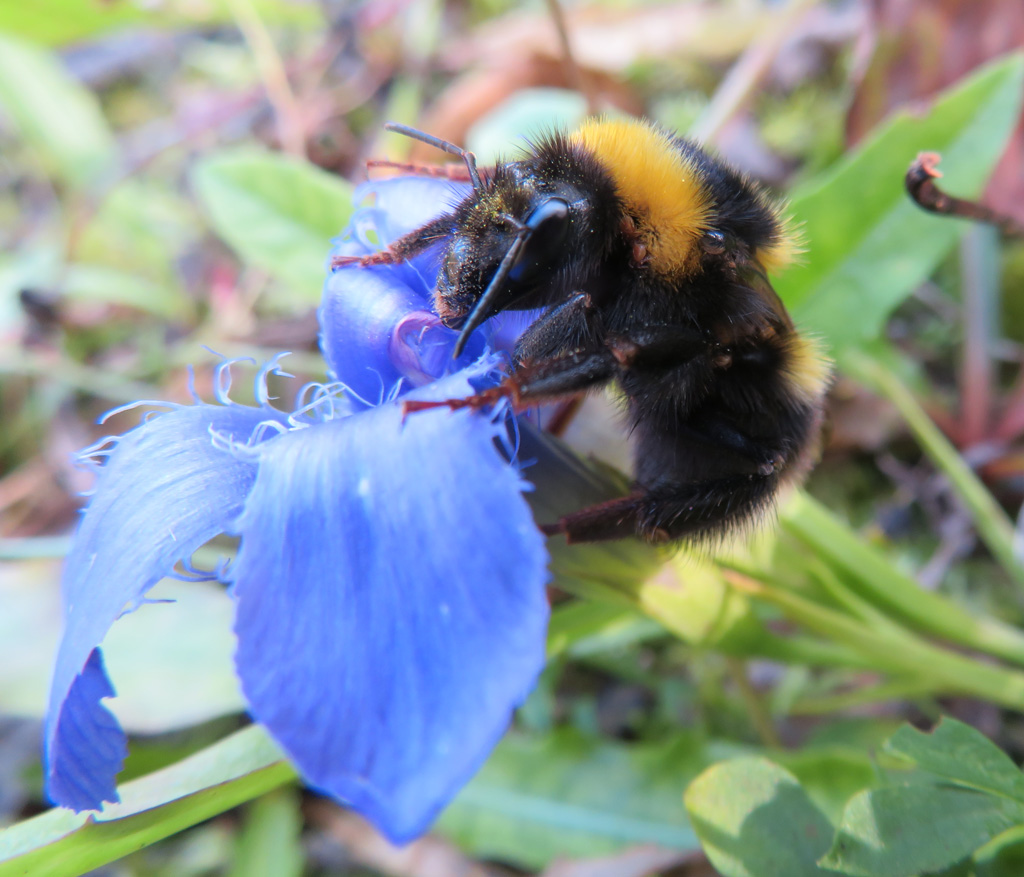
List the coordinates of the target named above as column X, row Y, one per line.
column 920, row 182
column 573, row 73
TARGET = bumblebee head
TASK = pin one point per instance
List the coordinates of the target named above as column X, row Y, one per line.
column 527, row 232
column 534, row 230
column 516, row 246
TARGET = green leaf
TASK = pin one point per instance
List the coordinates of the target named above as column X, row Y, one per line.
column 142, row 228
column 538, row 798
column 61, row 843
column 754, row 820
column 692, row 599
column 958, row 753
column 1003, row 857
column 278, row 214
column 867, row 569
column 830, row 775
column 582, row 628
column 867, row 244
column 59, row 119
column 58, row 22
column 903, row 830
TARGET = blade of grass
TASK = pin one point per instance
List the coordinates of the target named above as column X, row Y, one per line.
column 867, row 570
column 60, row 843
column 903, row 655
column 994, row 527
column 889, row 690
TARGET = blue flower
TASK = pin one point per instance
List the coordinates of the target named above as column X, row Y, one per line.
column 389, row 583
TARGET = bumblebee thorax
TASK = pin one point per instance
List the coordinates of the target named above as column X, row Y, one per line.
column 667, row 206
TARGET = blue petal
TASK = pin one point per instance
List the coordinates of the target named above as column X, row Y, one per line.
column 87, row 747
column 377, row 326
column 400, row 206
column 165, row 490
column 403, row 204
column 388, row 622
column 378, row 335
column 361, row 310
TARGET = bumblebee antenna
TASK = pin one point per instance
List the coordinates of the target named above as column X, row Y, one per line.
column 443, row 145
column 481, row 310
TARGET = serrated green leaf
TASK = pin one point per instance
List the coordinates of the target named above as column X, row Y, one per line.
column 59, row 118
column 958, row 753
column 903, row 830
column 538, row 798
column 754, row 820
column 867, row 245
column 278, row 214
column 61, row 843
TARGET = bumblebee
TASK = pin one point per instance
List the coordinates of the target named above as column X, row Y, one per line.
column 650, row 260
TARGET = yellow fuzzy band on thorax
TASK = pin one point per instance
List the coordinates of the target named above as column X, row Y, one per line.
column 658, row 186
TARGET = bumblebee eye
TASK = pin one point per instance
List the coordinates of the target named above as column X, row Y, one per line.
column 549, row 227
column 551, row 215
column 713, row 243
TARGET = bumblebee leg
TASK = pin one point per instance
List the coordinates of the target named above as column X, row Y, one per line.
column 613, row 519
column 543, row 380
column 664, row 346
column 455, row 172
column 575, row 325
column 546, row 379
column 563, row 416
column 535, row 382
column 570, row 326
column 402, row 249
column 671, row 512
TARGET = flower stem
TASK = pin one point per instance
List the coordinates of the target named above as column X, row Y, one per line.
column 290, row 124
